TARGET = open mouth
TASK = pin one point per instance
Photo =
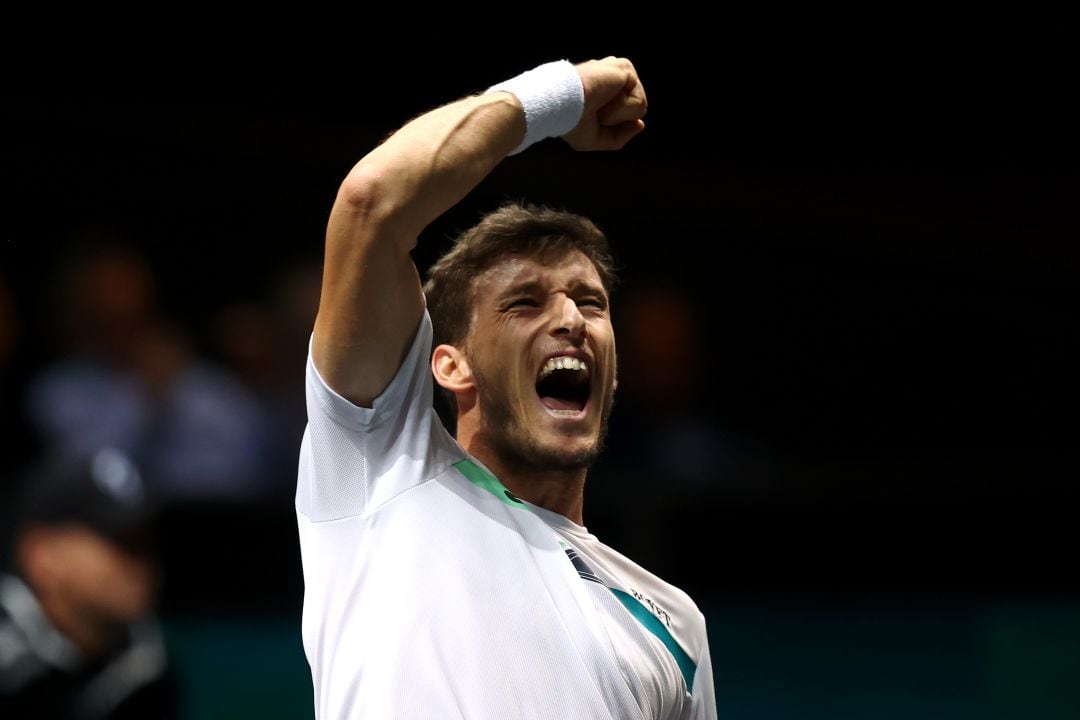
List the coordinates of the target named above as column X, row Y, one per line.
column 563, row 385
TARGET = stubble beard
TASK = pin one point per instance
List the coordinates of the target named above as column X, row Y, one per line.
column 504, row 434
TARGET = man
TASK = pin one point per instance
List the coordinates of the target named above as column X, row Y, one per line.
column 452, row 577
column 78, row 638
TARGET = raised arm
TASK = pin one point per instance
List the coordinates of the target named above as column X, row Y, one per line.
column 372, row 300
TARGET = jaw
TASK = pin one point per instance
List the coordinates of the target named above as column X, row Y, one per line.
column 513, row 420
column 525, row 436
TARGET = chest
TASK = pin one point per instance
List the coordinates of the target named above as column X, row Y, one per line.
column 656, row 669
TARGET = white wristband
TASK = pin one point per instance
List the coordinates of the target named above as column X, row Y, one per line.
column 552, row 97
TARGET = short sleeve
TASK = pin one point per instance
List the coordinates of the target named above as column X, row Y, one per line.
column 354, row 459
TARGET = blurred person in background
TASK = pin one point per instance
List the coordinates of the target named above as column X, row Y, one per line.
column 668, row 426
column 79, row 637
column 262, row 342
column 126, row 376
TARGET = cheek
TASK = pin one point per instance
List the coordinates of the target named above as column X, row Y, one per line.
column 96, row 561
column 99, row 565
column 501, row 361
column 84, row 571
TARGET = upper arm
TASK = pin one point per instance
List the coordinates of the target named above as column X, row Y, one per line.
column 371, row 301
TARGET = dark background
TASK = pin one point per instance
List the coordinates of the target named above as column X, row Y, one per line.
column 878, row 245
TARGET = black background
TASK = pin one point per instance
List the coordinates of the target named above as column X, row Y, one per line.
column 880, row 238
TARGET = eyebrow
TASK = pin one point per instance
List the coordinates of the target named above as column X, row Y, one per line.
column 527, row 287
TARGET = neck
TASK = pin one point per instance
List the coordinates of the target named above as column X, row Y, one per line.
column 561, row 491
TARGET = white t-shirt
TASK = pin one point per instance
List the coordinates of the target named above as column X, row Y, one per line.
column 431, row 592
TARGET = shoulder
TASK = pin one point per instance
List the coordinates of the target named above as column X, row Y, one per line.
column 30, row 649
column 26, row 680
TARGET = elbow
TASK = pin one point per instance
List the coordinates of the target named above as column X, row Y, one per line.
column 367, row 198
column 362, row 193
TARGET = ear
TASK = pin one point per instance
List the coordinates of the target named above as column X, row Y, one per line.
column 451, row 369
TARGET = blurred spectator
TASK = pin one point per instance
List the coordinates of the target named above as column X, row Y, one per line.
column 667, row 430
column 674, row 370
column 264, row 344
column 78, row 633
column 295, row 304
column 129, row 378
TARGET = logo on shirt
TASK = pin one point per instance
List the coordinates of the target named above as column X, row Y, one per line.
column 582, row 567
column 656, row 610
column 586, row 573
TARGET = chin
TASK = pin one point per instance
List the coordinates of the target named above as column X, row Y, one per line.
column 560, row 453
column 565, row 461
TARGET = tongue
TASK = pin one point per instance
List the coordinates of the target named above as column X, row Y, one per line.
column 554, row 403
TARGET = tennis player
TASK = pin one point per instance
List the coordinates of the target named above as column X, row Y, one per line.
column 448, row 572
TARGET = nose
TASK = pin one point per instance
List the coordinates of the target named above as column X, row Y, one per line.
column 569, row 321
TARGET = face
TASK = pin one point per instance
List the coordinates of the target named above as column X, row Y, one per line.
column 542, row 354
column 97, row 575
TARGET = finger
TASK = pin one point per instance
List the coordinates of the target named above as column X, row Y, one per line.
column 624, row 108
column 632, row 85
column 636, row 90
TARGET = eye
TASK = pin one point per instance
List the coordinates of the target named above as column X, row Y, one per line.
column 593, row 302
column 523, row 302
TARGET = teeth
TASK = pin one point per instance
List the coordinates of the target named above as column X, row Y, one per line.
column 562, row 363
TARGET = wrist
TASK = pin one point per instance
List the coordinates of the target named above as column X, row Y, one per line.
column 552, row 98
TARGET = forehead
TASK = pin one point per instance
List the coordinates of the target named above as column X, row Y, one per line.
column 553, row 270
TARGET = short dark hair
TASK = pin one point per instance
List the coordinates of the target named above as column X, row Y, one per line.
column 515, row 228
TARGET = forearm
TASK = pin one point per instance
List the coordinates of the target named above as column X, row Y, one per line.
column 432, row 162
